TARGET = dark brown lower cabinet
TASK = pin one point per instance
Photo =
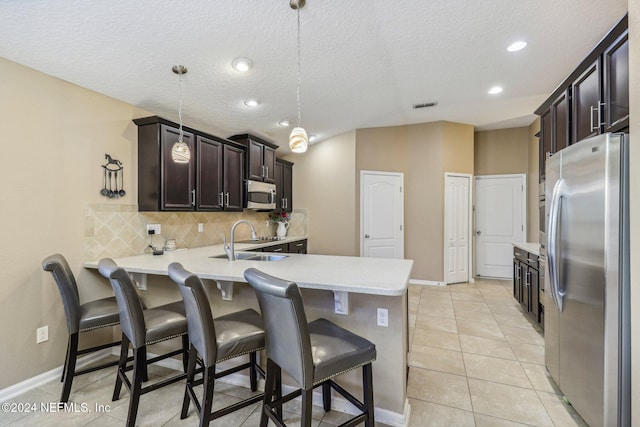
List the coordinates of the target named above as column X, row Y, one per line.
column 526, row 282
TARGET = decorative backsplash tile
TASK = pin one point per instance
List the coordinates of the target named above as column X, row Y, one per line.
column 116, row 230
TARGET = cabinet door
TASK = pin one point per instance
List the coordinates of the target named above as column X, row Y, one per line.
column 287, row 187
column 177, row 179
column 276, row 248
column 209, row 177
column 278, row 176
column 517, row 281
column 534, row 287
column 585, row 109
column 546, row 144
column 616, row 84
column 269, row 162
column 233, row 178
column 560, row 122
column 254, row 161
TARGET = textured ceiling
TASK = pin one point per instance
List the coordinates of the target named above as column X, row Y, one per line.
column 364, row 62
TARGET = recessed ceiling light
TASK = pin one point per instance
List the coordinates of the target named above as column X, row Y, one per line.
column 251, row 102
column 495, row 90
column 516, row 46
column 241, row 64
column 284, row 123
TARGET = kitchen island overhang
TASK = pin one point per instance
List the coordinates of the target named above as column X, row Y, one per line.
column 330, row 285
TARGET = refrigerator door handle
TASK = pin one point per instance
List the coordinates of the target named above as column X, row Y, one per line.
column 552, row 239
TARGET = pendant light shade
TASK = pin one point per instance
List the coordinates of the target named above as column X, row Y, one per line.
column 298, row 140
column 180, row 152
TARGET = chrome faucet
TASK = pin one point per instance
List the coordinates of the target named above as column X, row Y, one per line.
column 228, row 248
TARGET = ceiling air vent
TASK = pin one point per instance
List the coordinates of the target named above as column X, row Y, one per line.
column 425, row 105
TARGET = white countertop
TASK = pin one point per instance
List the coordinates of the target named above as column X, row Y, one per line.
column 531, row 247
column 376, row 276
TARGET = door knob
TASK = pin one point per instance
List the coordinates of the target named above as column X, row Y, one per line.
column 366, row 236
column 478, row 232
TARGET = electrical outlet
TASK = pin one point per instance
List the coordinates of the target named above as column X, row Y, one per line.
column 42, row 334
column 200, row 227
column 153, row 229
column 383, row 317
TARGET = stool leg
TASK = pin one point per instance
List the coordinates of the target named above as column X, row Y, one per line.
column 66, row 360
column 145, row 369
column 69, row 366
column 208, row 379
column 278, row 388
column 367, row 387
column 269, row 386
column 326, row 396
column 139, row 364
column 307, row 401
column 253, row 372
column 185, row 352
column 191, row 373
column 122, row 367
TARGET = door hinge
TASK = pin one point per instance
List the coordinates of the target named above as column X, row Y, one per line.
column 401, row 189
column 400, row 227
column 522, row 227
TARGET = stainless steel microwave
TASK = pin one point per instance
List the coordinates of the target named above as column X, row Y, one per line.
column 260, row 195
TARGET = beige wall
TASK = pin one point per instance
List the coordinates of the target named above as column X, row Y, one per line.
column 324, row 186
column 502, row 151
column 634, row 205
column 55, row 139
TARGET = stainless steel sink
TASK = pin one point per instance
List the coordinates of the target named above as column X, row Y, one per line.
column 252, row 256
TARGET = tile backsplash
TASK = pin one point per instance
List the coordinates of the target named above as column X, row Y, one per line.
column 116, row 230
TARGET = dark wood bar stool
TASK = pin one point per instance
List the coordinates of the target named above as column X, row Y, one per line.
column 216, row 340
column 141, row 328
column 80, row 318
column 311, row 353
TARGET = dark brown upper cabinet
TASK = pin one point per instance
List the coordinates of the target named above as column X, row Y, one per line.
column 587, row 105
column 284, row 185
column 616, row 84
column 261, row 157
column 593, row 99
column 211, row 181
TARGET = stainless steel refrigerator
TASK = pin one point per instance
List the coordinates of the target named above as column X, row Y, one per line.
column 587, row 320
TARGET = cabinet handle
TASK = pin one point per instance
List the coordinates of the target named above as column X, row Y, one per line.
column 226, row 196
column 532, row 260
column 262, row 171
column 528, row 277
column 267, row 173
column 286, row 203
column 277, row 250
column 518, row 254
column 600, row 121
column 221, row 199
column 193, row 197
column 300, row 245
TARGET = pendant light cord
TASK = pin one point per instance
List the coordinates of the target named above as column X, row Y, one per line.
column 181, row 133
column 299, row 79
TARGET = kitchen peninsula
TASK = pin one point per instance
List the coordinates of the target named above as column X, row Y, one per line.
column 346, row 290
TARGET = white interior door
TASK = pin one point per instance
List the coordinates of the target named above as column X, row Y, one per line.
column 381, row 214
column 457, row 228
column 500, row 220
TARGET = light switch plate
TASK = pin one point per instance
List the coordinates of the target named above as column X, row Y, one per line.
column 383, row 317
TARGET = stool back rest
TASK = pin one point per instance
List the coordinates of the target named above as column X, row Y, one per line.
column 63, row 276
column 202, row 331
column 285, row 325
column 129, row 304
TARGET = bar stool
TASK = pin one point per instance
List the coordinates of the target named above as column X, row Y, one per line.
column 216, row 340
column 311, row 353
column 141, row 328
column 80, row 318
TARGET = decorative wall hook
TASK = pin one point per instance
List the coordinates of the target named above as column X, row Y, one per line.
column 110, row 172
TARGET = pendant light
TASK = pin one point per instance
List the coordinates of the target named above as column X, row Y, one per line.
column 298, row 140
column 180, row 152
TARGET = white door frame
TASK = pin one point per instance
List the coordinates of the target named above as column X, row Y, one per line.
column 397, row 174
column 469, row 228
column 524, row 204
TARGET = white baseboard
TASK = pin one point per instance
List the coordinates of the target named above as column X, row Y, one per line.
column 426, row 282
column 54, row 374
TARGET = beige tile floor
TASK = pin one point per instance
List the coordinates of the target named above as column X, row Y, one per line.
column 475, row 361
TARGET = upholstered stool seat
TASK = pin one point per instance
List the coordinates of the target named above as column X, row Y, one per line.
column 140, row 328
column 216, row 340
column 311, row 353
column 80, row 318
